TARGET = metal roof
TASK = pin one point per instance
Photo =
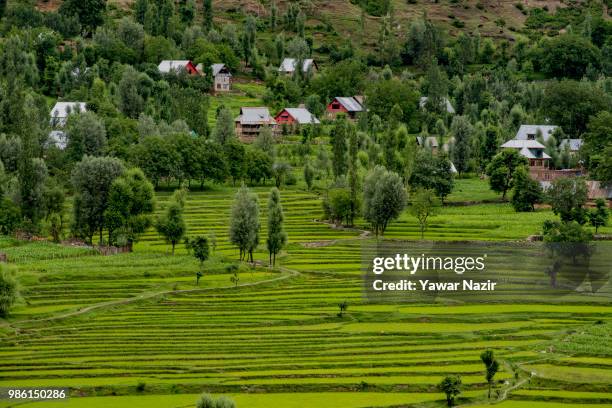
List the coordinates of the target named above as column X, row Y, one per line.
column 172, row 65
column 519, row 144
column 350, row 103
column 216, row 68
column 255, row 116
column 525, row 130
column 302, row 115
column 574, row 144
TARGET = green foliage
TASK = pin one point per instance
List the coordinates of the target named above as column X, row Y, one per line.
column 86, row 136
column 338, row 137
column 342, row 79
column 461, row 130
column 89, row 12
column 526, row 191
column 383, row 95
column 598, row 217
column 491, row 366
column 432, row 172
column 259, row 165
column 199, row 246
column 224, row 129
column 277, row 237
column 171, row 224
column 244, row 223
column 502, row 169
column 423, row 204
column 208, row 401
column 10, row 217
column 567, row 196
column 384, row 198
column 91, row 179
column 337, row 205
column 570, row 104
column 9, row 290
column 569, row 56
column 130, row 201
column 451, row 386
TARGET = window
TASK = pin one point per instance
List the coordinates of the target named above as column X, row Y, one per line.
column 335, row 105
column 530, row 136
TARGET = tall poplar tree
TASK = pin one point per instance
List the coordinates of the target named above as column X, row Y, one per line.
column 277, row 237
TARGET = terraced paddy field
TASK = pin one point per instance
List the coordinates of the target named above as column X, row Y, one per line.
column 134, row 329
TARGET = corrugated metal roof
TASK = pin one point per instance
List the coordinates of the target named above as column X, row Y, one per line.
column 526, row 130
column 350, row 103
column 172, row 65
column 302, row 115
column 574, row 144
column 216, row 68
column 255, row 116
column 519, row 144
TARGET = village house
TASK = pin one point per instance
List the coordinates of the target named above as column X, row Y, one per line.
column 288, row 66
column 222, row 78
column 447, row 103
column 61, row 110
column 348, row 105
column 168, row 66
column 251, row 121
column 296, row 116
column 531, row 149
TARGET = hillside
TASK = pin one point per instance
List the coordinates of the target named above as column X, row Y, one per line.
column 345, row 16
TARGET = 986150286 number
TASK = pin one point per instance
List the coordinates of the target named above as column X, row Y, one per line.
column 33, row 393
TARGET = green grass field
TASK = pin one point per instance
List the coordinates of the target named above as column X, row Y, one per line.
column 104, row 325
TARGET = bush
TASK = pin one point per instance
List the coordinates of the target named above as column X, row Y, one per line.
column 208, row 401
column 9, row 290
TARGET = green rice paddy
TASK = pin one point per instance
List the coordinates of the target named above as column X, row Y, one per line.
column 134, row 330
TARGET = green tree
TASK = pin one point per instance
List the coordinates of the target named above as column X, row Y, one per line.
column 491, row 367
column 224, row 129
column 90, row 13
column 130, row 203
column 384, row 198
column 207, row 14
column 598, row 217
column 171, row 223
column 569, row 56
column 244, row 223
column 570, row 104
column 277, row 237
column 9, row 290
column 86, row 136
column 10, row 216
column 235, row 153
column 201, row 251
column 91, row 179
column 309, row 174
column 424, row 203
column 526, row 191
column 432, row 172
column 567, row 196
column 338, row 140
column 384, row 94
column 258, row 165
column 502, row 168
column 451, row 386
column 461, row 129
column 131, row 102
